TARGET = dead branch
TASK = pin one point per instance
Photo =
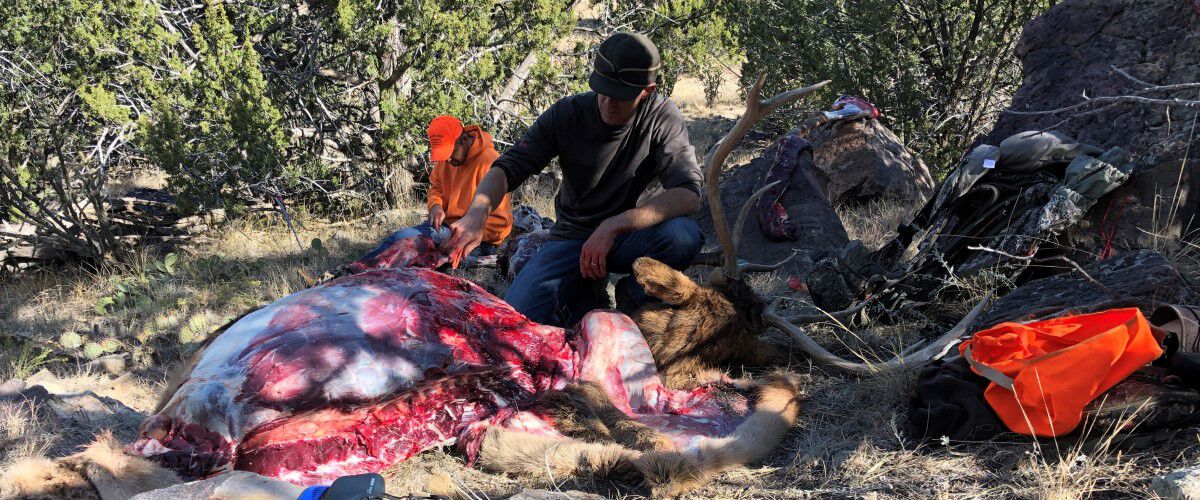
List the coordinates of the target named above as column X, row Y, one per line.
column 1138, row 97
column 1060, row 258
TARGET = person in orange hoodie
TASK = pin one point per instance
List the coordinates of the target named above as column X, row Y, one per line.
column 461, row 157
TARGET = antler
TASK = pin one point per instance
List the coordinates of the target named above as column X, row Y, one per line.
column 756, row 109
column 824, row 357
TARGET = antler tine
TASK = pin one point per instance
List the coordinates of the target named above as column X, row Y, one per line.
column 755, row 110
column 837, row 315
column 770, row 105
column 751, row 267
column 824, row 357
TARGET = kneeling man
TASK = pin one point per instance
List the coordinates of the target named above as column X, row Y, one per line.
column 461, row 158
column 611, row 143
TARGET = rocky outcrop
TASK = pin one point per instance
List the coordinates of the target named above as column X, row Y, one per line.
column 1183, row 484
column 1137, row 279
column 815, row 225
column 849, row 162
column 1071, row 51
column 862, row 161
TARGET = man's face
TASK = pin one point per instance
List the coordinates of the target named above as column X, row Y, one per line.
column 461, row 146
column 615, row 113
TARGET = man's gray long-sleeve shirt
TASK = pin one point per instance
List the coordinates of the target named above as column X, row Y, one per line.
column 605, row 169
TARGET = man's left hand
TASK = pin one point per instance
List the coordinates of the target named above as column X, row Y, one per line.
column 593, row 259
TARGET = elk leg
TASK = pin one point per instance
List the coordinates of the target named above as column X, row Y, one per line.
column 624, row 430
column 662, row 282
column 584, row 411
column 553, row 459
column 573, row 417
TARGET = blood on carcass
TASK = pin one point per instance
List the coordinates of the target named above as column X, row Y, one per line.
column 773, row 218
column 365, row 371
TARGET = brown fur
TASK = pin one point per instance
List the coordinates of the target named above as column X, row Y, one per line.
column 667, row 473
column 698, row 330
column 554, row 459
column 776, row 410
column 584, row 411
column 694, row 332
column 102, row 470
column 44, row 479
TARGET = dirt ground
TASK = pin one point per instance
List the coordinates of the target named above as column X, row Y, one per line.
column 850, row 442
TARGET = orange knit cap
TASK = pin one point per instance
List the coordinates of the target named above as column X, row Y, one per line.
column 443, row 132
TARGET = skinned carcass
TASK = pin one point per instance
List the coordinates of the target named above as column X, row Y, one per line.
column 367, row 370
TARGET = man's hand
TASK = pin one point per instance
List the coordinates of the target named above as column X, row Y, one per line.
column 465, row 235
column 593, row 260
column 436, row 217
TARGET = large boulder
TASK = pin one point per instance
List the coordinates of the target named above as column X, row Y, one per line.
column 817, row 227
column 1183, row 484
column 236, row 484
column 1071, row 51
column 849, row 162
column 1144, row 278
column 862, row 161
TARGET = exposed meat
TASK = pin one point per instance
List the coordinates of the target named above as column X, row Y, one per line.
column 408, row 252
column 367, row 370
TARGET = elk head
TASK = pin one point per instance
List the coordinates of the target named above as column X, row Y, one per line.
column 698, row 329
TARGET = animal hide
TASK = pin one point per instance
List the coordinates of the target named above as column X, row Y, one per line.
column 101, row 471
column 367, row 370
column 773, row 217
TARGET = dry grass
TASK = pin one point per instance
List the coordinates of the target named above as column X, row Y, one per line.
column 850, row 442
column 248, row 263
column 22, row 434
column 875, row 223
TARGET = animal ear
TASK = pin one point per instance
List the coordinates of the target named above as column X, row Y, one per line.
column 662, row 282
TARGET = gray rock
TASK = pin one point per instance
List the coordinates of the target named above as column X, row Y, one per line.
column 1181, row 484
column 12, row 387
column 45, row 379
column 1144, row 278
column 862, row 161
column 113, row 364
column 817, row 226
column 36, row 394
column 232, row 485
column 1069, row 51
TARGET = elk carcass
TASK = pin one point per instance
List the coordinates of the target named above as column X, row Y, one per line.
column 367, row 370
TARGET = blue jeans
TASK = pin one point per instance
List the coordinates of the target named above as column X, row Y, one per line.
column 426, row 229
column 551, row 290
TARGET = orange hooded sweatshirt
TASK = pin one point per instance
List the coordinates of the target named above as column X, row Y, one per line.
column 454, row 187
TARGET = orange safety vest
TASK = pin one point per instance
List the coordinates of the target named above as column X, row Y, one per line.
column 1043, row 373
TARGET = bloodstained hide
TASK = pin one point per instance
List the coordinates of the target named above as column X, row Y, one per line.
column 773, row 218
column 418, row 251
column 367, row 370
